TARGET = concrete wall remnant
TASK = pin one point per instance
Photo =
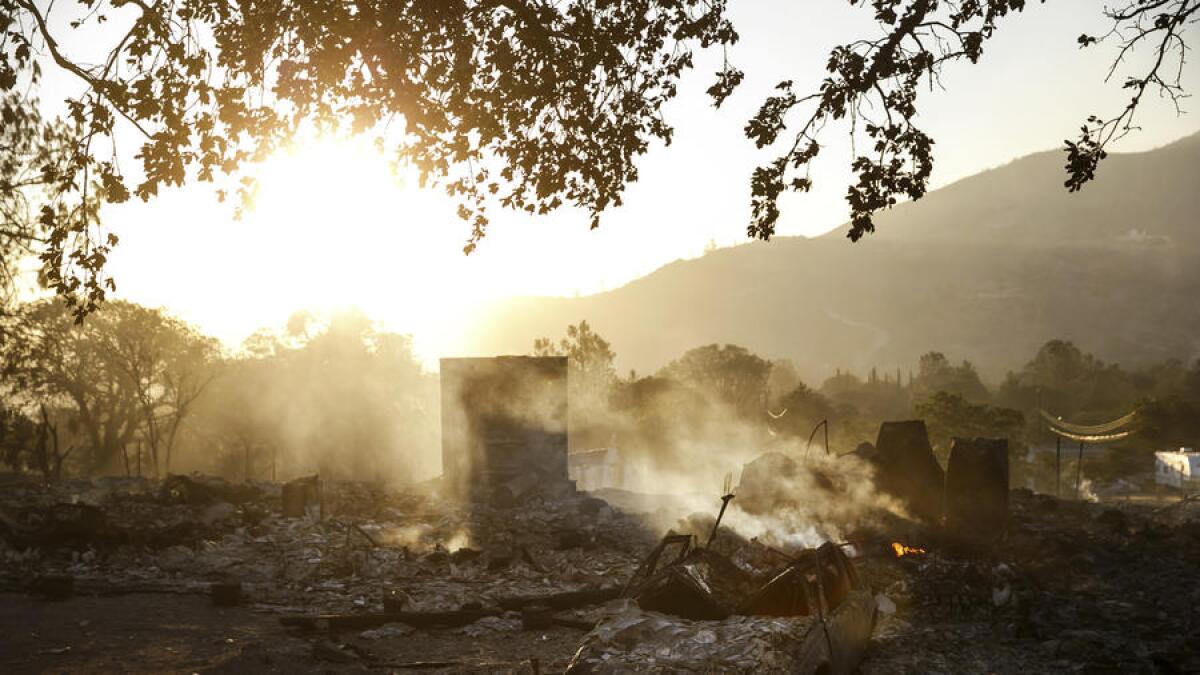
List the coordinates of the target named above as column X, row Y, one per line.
column 907, row 468
column 977, row 486
column 502, row 418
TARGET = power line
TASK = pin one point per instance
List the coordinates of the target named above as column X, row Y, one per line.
column 1057, row 425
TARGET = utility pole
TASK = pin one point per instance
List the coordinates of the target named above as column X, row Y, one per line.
column 1078, row 469
column 1057, row 464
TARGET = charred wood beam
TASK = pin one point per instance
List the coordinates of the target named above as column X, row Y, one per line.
column 565, row 600
column 568, row 622
column 338, row 622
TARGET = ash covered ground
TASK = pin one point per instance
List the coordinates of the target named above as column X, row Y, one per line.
column 131, row 575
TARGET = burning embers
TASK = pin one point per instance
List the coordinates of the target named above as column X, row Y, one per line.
column 902, row 550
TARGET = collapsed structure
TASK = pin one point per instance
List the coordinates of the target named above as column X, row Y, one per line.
column 695, row 609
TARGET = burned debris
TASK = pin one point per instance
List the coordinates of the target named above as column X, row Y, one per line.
column 965, row 576
column 703, row 612
column 688, row 581
column 734, row 608
column 368, row 559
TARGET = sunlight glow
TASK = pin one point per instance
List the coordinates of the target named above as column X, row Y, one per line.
column 342, row 230
column 333, row 227
column 345, row 231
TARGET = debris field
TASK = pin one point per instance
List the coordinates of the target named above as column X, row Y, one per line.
column 352, row 577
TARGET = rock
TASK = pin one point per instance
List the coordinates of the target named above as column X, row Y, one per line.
column 885, row 604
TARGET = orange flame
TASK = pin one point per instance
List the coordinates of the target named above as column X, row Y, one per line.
column 901, row 550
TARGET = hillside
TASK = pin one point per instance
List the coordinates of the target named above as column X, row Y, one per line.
column 987, row 268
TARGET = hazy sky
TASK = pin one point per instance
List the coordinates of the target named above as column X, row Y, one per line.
column 333, row 228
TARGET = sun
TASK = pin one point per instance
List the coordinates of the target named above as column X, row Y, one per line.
column 333, row 227
column 338, row 228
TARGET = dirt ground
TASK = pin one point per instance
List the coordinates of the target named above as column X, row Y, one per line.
column 160, row 633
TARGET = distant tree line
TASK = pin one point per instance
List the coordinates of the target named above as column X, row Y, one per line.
column 135, row 391
column 719, row 398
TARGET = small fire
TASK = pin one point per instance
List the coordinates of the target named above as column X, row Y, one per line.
column 902, row 550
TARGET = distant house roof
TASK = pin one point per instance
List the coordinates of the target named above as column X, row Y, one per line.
column 1175, row 467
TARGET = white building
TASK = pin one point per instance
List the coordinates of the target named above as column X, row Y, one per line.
column 1179, row 469
column 597, row 468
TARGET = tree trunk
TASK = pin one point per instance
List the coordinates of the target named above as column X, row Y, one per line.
column 95, row 445
column 41, row 448
column 172, row 434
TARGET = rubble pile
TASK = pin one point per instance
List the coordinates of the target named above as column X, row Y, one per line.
column 1023, row 582
column 1073, row 586
column 362, row 545
column 696, row 609
column 630, row 639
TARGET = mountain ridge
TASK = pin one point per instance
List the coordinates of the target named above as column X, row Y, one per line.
column 986, row 268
